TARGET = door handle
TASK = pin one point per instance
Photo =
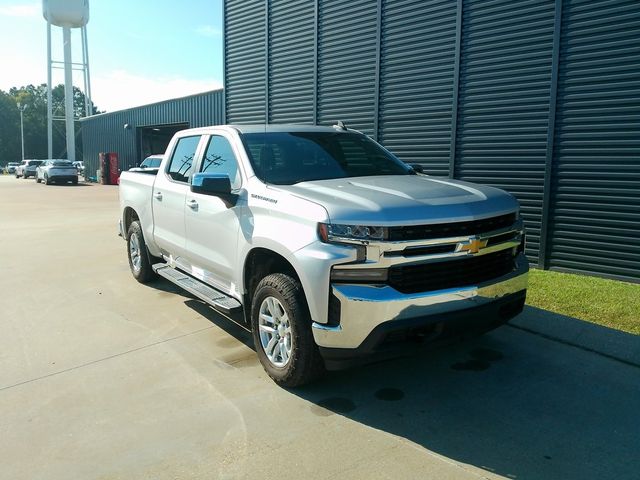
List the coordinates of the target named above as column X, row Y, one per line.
column 192, row 204
column 158, row 195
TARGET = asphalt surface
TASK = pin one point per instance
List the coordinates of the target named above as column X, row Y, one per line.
column 104, row 378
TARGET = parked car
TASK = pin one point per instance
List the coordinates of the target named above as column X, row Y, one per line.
column 325, row 245
column 18, row 170
column 79, row 166
column 11, row 167
column 57, row 171
column 27, row 168
column 149, row 163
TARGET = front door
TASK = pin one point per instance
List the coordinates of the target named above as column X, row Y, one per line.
column 212, row 226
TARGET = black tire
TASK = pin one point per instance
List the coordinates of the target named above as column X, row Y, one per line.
column 304, row 362
column 46, row 180
column 37, row 179
column 143, row 272
column 74, row 181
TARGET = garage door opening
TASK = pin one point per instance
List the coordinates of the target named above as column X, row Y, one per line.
column 153, row 139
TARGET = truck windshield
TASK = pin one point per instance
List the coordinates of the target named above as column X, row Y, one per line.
column 285, row 158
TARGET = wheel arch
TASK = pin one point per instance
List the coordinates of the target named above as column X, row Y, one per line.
column 261, row 262
column 129, row 215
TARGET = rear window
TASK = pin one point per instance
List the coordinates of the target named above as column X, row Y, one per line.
column 35, row 163
column 62, row 163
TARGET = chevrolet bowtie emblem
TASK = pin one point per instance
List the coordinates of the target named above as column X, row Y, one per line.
column 473, row 245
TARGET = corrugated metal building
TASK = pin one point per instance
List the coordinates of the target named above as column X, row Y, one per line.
column 539, row 97
column 138, row 132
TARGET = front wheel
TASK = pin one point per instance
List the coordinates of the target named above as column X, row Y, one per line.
column 137, row 252
column 281, row 329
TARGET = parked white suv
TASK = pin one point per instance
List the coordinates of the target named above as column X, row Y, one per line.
column 27, row 168
column 57, row 171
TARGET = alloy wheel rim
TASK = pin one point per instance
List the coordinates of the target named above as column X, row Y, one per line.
column 134, row 252
column 275, row 332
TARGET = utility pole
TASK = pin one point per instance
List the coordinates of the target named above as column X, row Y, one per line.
column 22, row 108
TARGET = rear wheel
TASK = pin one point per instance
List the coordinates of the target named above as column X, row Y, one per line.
column 139, row 262
column 281, row 329
column 37, row 179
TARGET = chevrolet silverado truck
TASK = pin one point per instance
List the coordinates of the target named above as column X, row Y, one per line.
column 326, row 246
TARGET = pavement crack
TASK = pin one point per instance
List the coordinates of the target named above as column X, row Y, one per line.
column 99, row 360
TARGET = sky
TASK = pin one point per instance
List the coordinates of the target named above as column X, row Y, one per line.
column 140, row 51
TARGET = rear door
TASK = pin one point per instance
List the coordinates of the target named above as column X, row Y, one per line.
column 168, row 197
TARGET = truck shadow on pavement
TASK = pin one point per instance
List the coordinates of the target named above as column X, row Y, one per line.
column 512, row 402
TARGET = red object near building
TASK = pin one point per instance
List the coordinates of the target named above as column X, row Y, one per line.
column 109, row 168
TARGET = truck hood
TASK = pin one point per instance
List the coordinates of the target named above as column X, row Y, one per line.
column 389, row 200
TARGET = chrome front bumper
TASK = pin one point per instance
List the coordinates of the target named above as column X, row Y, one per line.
column 364, row 307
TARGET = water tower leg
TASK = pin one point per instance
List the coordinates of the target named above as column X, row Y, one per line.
column 68, row 95
column 49, row 99
column 87, row 76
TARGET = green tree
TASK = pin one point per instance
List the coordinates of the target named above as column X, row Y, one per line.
column 35, row 122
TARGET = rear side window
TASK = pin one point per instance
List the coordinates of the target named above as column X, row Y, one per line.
column 219, row 158
column 181, row 165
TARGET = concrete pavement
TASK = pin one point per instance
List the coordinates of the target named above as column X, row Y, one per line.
column 104, row 378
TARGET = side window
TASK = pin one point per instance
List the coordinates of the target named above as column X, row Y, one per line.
column 182, row 159
column 219, row 158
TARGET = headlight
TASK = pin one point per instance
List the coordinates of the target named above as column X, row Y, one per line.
column 332, row 232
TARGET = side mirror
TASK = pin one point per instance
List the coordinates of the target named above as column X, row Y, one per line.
column 215, row 184
column 417, row 168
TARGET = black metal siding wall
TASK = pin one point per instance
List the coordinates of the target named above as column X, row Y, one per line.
column 595, row 212
column 416, row 74
column 347, row 49
column 106, row 132
column 503, row 106
column 291, row 66
column 245, row 60
column 539, row 97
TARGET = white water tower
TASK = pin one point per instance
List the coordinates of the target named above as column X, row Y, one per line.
column 67, row 14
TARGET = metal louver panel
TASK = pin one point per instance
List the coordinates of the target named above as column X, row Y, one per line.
column 291, row 66
column 416, row 78
column 595, row 214
column 505, row 80
column 347, row 54
column 245, row 60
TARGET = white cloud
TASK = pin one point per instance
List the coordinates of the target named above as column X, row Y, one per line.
column 21, row 10
column 208, row 31
column 119, row 89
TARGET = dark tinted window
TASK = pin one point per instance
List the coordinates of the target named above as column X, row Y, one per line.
column 182, row 159
column 219, row 158
column 62, row 163
column 290, row 157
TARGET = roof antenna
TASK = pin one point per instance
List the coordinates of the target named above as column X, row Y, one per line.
column 341, row 125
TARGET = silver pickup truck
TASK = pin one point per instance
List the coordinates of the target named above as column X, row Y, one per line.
column 322, row 243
